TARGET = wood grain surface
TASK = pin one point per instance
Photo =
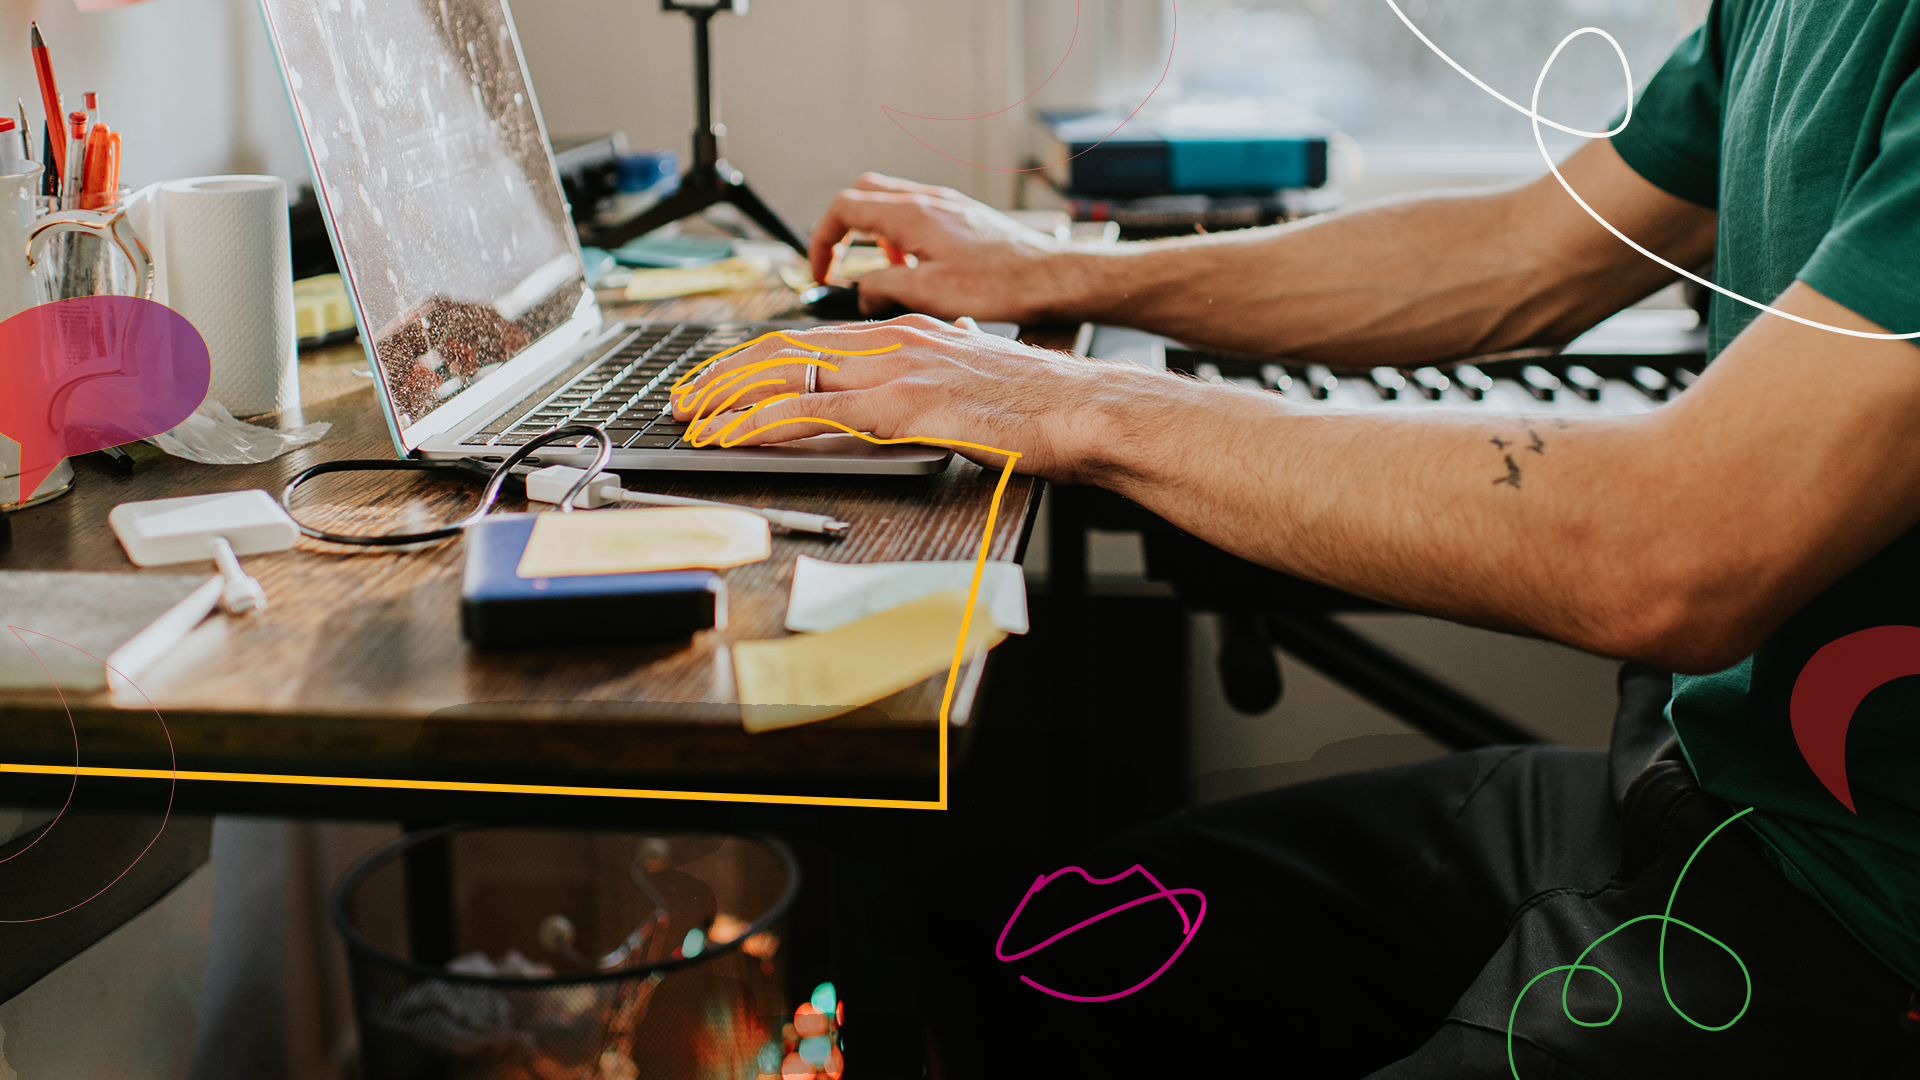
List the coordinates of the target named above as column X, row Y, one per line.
column 358, row 666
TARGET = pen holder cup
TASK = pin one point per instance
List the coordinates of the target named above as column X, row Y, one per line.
column 88, row 253
column 17, row 212
column 508, row 954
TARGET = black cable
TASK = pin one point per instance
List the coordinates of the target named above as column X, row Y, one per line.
column 488, row 497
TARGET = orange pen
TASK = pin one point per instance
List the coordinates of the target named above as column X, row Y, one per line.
column 95, row 191
column 113, row 164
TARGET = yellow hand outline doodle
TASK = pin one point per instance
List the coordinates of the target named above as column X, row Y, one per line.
column 735, row 385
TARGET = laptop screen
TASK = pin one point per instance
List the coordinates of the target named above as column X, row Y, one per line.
column 438, row 186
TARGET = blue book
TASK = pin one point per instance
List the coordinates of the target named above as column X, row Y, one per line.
column 499, row 608
column 1145, row 159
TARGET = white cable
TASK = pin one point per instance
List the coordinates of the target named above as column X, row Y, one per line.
column 550, row 485
column 1533, row 115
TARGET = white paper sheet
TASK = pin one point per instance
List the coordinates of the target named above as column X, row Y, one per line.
column 828, row 595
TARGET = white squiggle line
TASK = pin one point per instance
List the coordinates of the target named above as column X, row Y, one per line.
column 1533, row 115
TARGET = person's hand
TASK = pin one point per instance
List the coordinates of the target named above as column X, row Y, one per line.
column 924, row 380
column 972, row 259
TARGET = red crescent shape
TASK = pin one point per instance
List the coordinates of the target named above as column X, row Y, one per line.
column 1831, row 687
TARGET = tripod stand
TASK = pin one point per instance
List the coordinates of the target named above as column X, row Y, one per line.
column 710, row 180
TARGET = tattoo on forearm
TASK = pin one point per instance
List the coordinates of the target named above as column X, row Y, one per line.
column 1512, row 479
column 1533, row 442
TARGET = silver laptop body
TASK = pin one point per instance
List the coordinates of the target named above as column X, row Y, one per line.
column 439, row 191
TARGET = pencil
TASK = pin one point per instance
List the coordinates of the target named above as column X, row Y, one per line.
column 49, row 98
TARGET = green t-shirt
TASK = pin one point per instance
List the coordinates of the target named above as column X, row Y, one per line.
column 1800, row 123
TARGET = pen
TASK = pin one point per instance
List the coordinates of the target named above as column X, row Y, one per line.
column 49, row 176
column 26, row 133
column 95, row 189
column 75, row 177
column 50, row 99
column 10, row 163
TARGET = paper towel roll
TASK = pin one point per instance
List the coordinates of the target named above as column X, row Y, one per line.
column 228, row 264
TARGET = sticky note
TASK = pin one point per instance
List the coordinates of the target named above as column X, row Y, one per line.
column 808, row 677
column 829, row 595
column 635, row 541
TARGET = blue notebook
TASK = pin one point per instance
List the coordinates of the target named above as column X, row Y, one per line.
column 499, row 608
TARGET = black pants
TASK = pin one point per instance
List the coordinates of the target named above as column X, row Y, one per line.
column 1385, row 924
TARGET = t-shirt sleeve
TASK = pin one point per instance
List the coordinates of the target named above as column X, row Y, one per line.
column 1866, row 261
column 1674, row 138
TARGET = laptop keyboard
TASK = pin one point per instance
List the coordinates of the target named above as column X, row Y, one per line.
column 623, row 390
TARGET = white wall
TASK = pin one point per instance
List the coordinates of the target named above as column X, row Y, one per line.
column 191, row 83
column 801, row 83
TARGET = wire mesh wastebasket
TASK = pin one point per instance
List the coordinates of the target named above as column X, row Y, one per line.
column 568, row 955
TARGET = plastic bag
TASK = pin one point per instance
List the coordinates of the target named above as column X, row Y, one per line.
column 212, row 436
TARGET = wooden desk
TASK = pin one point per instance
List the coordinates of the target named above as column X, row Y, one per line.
column 358, row 667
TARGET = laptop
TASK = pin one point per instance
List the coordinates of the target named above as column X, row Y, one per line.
column 438, row 186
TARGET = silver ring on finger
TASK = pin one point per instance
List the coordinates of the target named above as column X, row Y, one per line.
column 813, row 376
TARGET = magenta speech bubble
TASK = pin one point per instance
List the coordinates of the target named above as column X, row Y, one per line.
column 95, row 371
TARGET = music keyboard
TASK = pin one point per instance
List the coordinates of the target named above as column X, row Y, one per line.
column 1629, row 364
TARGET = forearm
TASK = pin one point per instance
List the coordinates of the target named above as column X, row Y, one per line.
column 1492, row 520
column 1680, row 537
column 1402, row 282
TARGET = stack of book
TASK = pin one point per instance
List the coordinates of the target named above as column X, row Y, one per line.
column 1176, row 172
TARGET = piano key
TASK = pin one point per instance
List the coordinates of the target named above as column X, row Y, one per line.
column 1431, row 382
column 1685, row 377
column 1507, row 395
column 1650, row 382
column 1276, row 378
column 1209, row 373
column 1320, row 381
column 1584, row 381
column 1387, row 382
column 1539, row 382
column 1622, row 399
column 1471, row 379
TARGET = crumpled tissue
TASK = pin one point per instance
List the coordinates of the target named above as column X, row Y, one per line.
column 213, row 437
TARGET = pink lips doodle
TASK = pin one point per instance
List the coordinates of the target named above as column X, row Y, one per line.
column 1189, row 926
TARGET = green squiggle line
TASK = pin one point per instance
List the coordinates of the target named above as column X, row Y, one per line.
column 1619, row 999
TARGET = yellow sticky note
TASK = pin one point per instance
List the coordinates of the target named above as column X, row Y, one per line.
column 632, row 541
column 794, row 680
column 725, row 275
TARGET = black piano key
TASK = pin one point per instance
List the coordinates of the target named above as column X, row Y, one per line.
column 1275, row 378
column 1539, row 382
column 1584, row 381
column 1471, row 379
column 1650, row 382
column 1388, row 382
column 1320, row 381
column 1431, row 381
